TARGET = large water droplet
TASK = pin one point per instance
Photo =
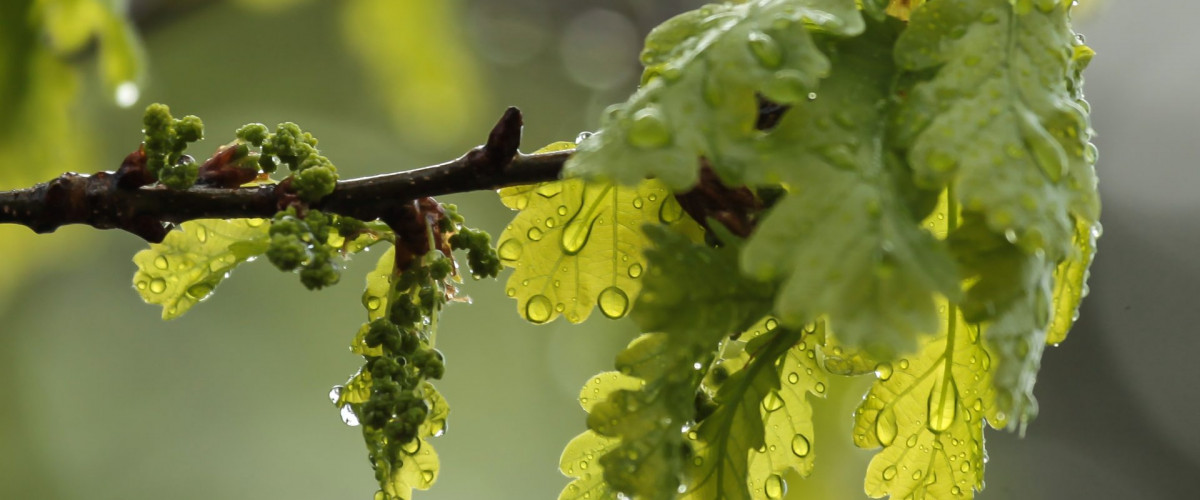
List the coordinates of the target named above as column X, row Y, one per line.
column 613, row 302
column 649, row 129
column 158, row 285
column 161, row 262
column 199, row 291
column 883, row 371
column 885, row 426
column 335, row 394
column 575, row 235
column 510, row 249
column 775, row 487
column 670, row 211
column 801, row 446
column 766, row 49
column 534, row 234
column 550, row 189
column 772, row 401
column 538, row 309
column 889, row 473
column 635, row 270
column 1047, row 152
column 943, row 403
column 348, row 416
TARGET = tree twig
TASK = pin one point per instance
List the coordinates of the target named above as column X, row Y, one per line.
column 97, row 200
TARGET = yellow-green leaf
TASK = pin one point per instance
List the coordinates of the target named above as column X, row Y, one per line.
column 1070, row 281
column 927, row 411
column 580, row 459
column 185, row 268
column 762, row 426
column 577, row 244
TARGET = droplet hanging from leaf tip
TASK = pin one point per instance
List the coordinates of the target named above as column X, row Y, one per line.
column 538, row 309
column 613, row 302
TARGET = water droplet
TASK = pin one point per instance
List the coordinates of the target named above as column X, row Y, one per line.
column 637, row 203
column 917, row 475
column 141, row 284
column 883, row 371
column 254, row 222
column 635, row 270
column 437, row 428
column 348, row 416
column 772, row 401
column 538, row 309
column 161, row 262
column 199, row 291
column 670, row 211
column 411, row 447
column 766, row 49
column 127, row 94
column 336, row 393
column 775, row 487
column 510, row 249
column 550, row 189
column 427, row 476
column 903, row 364
column 201, row 234
column 613, row 302
column 965, row 467
column 793, row 378
column 511, row 292
column 812, row 96
column 889, row 473
column 649, row 129
column 1047, row 152
column 158, row 285
column 800, row 445
column 885, row 426
column 583, row 136
column 912, row 441
column 943, row 403
column 380, row 495
column 373, row 303
column 534, row 234
column 820, row 388
column 562, row 210
column 576, row 235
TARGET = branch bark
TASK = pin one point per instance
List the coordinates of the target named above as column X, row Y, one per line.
column 149, row 212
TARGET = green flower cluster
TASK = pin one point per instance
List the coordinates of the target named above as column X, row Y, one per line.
column 303, row 243
column 166, row 140
column 397, row 406
column 481, row 256
column 313, row 175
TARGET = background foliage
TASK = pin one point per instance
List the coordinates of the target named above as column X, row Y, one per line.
column 106, row 401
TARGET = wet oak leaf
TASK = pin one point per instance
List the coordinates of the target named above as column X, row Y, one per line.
column 1001, row 117
column 580, row 459
column 843, row 240
column 762, row 425
column 927, row 411
column 185, row 268
column 705, row 70
column 649, row 457
column 578, row 244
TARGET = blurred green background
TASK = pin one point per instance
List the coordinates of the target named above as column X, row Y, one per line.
column 102, row 400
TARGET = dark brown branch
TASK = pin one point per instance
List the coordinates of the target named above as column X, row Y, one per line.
column 97, row 200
